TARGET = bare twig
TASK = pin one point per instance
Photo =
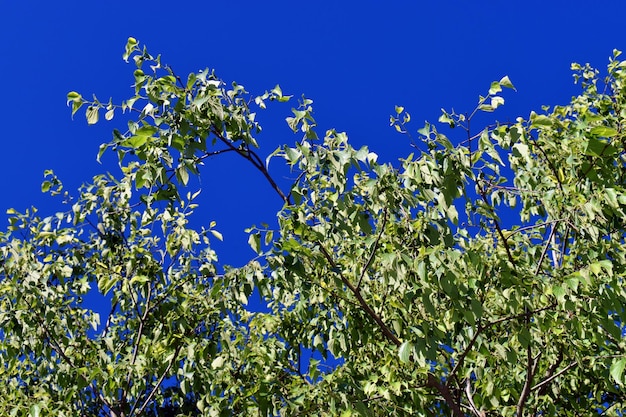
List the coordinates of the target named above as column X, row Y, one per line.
column 255, row 160
column 532, row 226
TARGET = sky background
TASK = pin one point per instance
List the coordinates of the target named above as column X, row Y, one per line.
column 356, row 60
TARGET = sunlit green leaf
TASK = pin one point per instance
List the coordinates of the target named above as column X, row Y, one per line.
column 617, row 371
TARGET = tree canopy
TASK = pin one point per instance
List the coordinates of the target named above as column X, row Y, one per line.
column 482, row 275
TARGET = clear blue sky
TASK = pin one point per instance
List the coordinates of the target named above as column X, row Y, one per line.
column 355, row 59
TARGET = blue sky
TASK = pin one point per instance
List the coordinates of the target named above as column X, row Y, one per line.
column 356, row 60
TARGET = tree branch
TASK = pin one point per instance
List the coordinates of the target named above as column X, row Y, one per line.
column 551, row 378
column 142, row 320
column 545, row 248
column 157, row 385
column 447, row 395
column 371, row 257
column 550, row 164
column 364, row 305
column 550, row 371
column 254, row 159
column 509, row 255
column 531, row 365
column 465, row 352
column 468, row 392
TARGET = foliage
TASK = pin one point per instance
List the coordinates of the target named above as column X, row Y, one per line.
column 480, row 276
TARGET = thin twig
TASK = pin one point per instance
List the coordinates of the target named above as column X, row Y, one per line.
column 371, row 257
column 520, row 315
column 498, row 228
column 551, row 378
column 461, row 359
column 158, row 384
column 532, row 226
column 142, row 320
column 545, row 248
column 254, row 159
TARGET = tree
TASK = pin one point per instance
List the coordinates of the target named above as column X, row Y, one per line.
column 480, row 276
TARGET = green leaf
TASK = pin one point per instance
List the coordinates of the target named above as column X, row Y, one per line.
column 92, row 115
column 182, row 174
column 604, row 131
column 617, row 371
column 599, row 147
column 559, row 293
column 217, row 234
column 73, row 96
column 135, row 142
column 35, row 410
column 141, row 279
column 524, row 337
column 506, row 82
column 254, row 240
column 496, row 102
column 76, row 105
column 131, row 46
column 495, row 88
column 421, row 271
column 540, row 120
column 404, row 352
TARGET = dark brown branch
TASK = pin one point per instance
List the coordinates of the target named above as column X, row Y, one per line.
column 254, row 159
column 447, row 395
column 142, row 320
column 432, row 381
column 545, row 249
column 371, row 257
column 59, row 350
column 550, row 371
column 509, row 255
column 564, row 245
column 550, row 164
column 551, row 378
column 520, row 315
column 364, row 305
column 158, row 384
column 531, row 365
column 466, row 351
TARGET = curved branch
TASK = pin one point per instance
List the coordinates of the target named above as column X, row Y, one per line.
column 364, row 305
column 254, row 159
